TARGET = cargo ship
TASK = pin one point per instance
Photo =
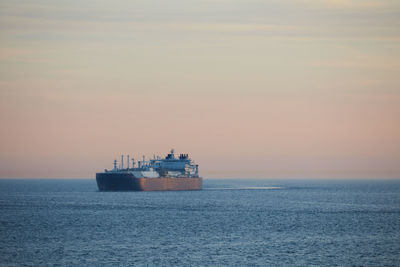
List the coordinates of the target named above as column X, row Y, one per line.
column 156, row 174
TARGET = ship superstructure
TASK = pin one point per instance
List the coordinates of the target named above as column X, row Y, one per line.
column 169, row 173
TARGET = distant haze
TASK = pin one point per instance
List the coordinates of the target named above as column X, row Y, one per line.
column 280, row 89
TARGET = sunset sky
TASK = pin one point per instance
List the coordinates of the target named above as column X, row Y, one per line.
column 249, row 89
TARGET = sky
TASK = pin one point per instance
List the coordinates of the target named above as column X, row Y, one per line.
column 249, row 89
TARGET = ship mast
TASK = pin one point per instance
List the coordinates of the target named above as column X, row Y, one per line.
column 115, row 165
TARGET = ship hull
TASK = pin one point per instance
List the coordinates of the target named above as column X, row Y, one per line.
column 128, row 182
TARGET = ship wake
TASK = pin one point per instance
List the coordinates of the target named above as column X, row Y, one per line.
column 245, row 188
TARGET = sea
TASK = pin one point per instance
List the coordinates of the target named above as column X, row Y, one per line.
column 232, row 222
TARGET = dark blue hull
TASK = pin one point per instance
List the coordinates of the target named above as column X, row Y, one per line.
column 127, row 182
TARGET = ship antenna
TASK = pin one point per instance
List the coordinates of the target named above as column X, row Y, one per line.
column 127, row 161
column 122, row 162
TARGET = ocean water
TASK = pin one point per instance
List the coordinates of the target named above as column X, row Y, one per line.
column 230, row 222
